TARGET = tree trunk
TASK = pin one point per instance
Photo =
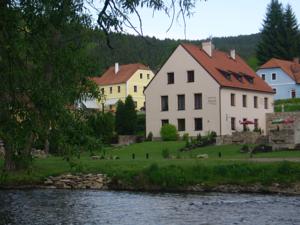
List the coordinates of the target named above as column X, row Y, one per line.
column 9, row 163
column 46, row 146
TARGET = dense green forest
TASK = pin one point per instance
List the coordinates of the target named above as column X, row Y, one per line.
column 153, row 52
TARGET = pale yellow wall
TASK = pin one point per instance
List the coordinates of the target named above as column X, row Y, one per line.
column 140, row 83
column 240, row 112
column 179, row 63
column 128, row 88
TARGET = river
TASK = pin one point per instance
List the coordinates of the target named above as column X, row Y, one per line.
column 131, row 208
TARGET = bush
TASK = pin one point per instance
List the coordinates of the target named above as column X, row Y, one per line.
column 185, row 137
column 168, row 132
column 150, row 136
column 165, row 153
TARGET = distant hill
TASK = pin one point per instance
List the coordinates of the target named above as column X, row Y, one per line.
column 154, row 52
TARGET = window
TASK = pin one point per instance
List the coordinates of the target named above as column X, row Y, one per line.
column 255, row 123
column 263, row 76
column 190, row 76
column 119, row 89
column 255, row 101
column 198, row 101
column 275, row 91
column 110, row 90
column 244, row 100
column 141, row 76
column 266, row 103
column 232, row 123
column 293, row 93
column 164, row 122
column 181, row 102
column 102, row 90
column 232, row 99
column 181, row 124
column 164, row 103
column 135, row 88
column 198, row 124
column 170, row 78
column 273, row 76
column 148, row 76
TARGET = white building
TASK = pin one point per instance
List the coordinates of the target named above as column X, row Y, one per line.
column 203, row 89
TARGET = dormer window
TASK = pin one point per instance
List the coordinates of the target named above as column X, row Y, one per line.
column 239, row 77
column 226, row 74
column 249, row 78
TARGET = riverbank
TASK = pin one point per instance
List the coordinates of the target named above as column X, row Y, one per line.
column 181, row 171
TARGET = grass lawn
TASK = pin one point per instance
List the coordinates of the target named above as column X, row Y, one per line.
column 183, row 169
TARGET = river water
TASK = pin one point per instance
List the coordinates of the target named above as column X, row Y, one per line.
column 131, row 208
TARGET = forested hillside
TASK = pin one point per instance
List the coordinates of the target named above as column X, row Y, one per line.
column 153, row 52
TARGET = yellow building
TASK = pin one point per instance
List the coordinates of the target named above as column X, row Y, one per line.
column 119, row 81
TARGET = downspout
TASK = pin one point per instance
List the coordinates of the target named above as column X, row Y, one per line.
column 220, row 110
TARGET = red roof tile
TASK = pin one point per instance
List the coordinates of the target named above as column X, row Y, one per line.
column 125, row 72
column 220, row 64
column 291, row 68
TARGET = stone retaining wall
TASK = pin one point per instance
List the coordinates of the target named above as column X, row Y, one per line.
column 79, row 181
column 244, row 137
column 126, row 139
column 283, row 136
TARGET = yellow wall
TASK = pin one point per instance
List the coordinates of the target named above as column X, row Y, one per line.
column 128, row 88
column 138, row 96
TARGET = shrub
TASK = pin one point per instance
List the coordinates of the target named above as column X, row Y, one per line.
column 185, row 137
column 168, row 132
column 165, row 153
column 150, row 136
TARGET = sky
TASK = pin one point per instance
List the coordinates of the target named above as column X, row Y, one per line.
column 216, row 18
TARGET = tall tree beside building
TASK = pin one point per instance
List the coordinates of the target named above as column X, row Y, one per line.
column 292, row 40
column 272, row 34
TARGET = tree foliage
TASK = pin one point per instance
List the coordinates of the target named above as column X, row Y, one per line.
column 126, row 117
column 42, row 70
column 279, row 35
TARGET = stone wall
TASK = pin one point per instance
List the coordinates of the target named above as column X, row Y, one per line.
column 79, row 181
column 126, row 139
column 283, row 136
column 244, row 137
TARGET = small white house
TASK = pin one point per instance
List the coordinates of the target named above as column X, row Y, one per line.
column 201, row 89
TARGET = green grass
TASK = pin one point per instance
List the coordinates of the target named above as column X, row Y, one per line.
column 290, row 105
column 183, row 169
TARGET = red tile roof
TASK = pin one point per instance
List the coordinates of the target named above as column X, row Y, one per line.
column 125, row 72
column 291, row 68
column 240, row 75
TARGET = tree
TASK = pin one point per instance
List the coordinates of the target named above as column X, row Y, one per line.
column 120, row 117
column 130, row 116
column 126, row 117
column 272, row 43
column 291, row 34
column 41, row 71
column 280, row 34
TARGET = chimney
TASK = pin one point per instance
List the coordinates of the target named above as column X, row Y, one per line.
column 232, row 54
column 296, row 60
column 116, row 68
column 208, row 47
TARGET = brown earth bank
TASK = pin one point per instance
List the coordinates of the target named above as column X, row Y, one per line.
column 102, row 182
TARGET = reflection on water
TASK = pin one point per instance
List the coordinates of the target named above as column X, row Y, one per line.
column 108, row 207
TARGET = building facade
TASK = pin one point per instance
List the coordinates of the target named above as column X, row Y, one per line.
column 119, row 81
column 283, row 76
column 202, row 89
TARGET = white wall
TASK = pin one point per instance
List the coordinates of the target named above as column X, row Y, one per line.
column 240, row 112
column 179, row 63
